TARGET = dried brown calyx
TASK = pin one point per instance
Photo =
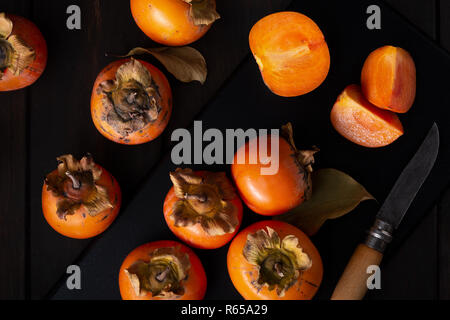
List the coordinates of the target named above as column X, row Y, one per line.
column 206, row 200
column 132, row 100
column 279, row 261
column 203, row 12
column 74, row 184
column 163, row 275
column 15, row 54
column 303, row 158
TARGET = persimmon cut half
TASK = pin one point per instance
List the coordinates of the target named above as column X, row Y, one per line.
column 162, row 270
column 202, row 208
column 131, row 102
column 174, row 22
column 282, row 190
column 273, row 260
column 80, row 199
column 388, row 79
column 361, row 122
column 291, row 53
column 23, row 52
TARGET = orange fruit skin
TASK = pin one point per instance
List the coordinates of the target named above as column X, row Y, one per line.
column 291, row 53
column 359, row 121
column 167, row 21
column 269, row 195
column 243, row 274
column 28, row 31
column 194, row 235
column 194, row 285
column 81, row 225
column 151, row 130
column 388, row 79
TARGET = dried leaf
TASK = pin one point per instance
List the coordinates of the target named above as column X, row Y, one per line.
column 6, row 26
column 203, row 12
column 334, row 195
column 185, row 63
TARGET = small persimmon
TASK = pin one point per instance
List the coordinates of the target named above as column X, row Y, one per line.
column 131, row 102
column 23, row 52
column 359, row 121
column 162, row 270
column 80, row 199
column 291, row 53
column 202, row 208
column 273, row 260
column 388, row 79
column 174, row 22
column 274, row 194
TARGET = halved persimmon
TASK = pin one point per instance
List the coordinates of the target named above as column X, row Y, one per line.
column 162, row 270
column 131, row 102
column 361, row 122
column 80, row 199
column 174, row 22
column 202, row 208
column 291, row 53
column 23, row 52
column 273, row 260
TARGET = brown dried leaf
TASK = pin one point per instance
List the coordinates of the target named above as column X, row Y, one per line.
column 203, row 12
column 6, row 26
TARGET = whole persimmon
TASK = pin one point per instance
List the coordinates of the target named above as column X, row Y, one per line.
column 80, row 199
column 23, row 52
column 273, row 260
column 162, row 270
column 202, row 208
column 174, row 22
column 131, row 102
column 291, row 53
column 361, row 122
column 388, row 79
column 273, row 194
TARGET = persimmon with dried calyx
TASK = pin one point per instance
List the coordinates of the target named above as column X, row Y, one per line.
column 174, row 22
column 273, row 260
column 162, row 270
column 23, row 52
column 388, row 79
column 274, row 194
column 202, row 208
column 291, row 53
column 131, row 102
column 361, row 122
column 80, row 199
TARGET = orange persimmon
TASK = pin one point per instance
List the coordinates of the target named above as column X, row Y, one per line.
column 273, row 260
column 291, row 53
column 23, row 52
column 202, row 208
column 174, row 22
column 131, row 102
column 274, row 194
column 361, row 122
column 80, row 199
column 388, row 79
column 162, row 270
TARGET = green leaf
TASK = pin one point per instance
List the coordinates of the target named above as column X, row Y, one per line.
column 185, row 63
column 334, row 195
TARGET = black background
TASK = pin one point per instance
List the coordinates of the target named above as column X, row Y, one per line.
column 52, row 118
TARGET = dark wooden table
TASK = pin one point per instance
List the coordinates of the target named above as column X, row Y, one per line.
column 32, row 256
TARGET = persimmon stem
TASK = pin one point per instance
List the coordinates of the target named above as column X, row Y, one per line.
column 199, row 197
column 162, row 275
column 5, row 53
column 75, row 182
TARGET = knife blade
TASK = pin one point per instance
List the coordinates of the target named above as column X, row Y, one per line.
column 353, row 283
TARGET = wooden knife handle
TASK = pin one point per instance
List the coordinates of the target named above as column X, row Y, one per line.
column 353, row 283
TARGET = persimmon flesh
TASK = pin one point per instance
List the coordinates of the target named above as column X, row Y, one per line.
column 202, row 208
column 388, row 79
column 273, row 260
column 162, row 270
column 291, row 53
column 359, row 121
column 23, row 52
